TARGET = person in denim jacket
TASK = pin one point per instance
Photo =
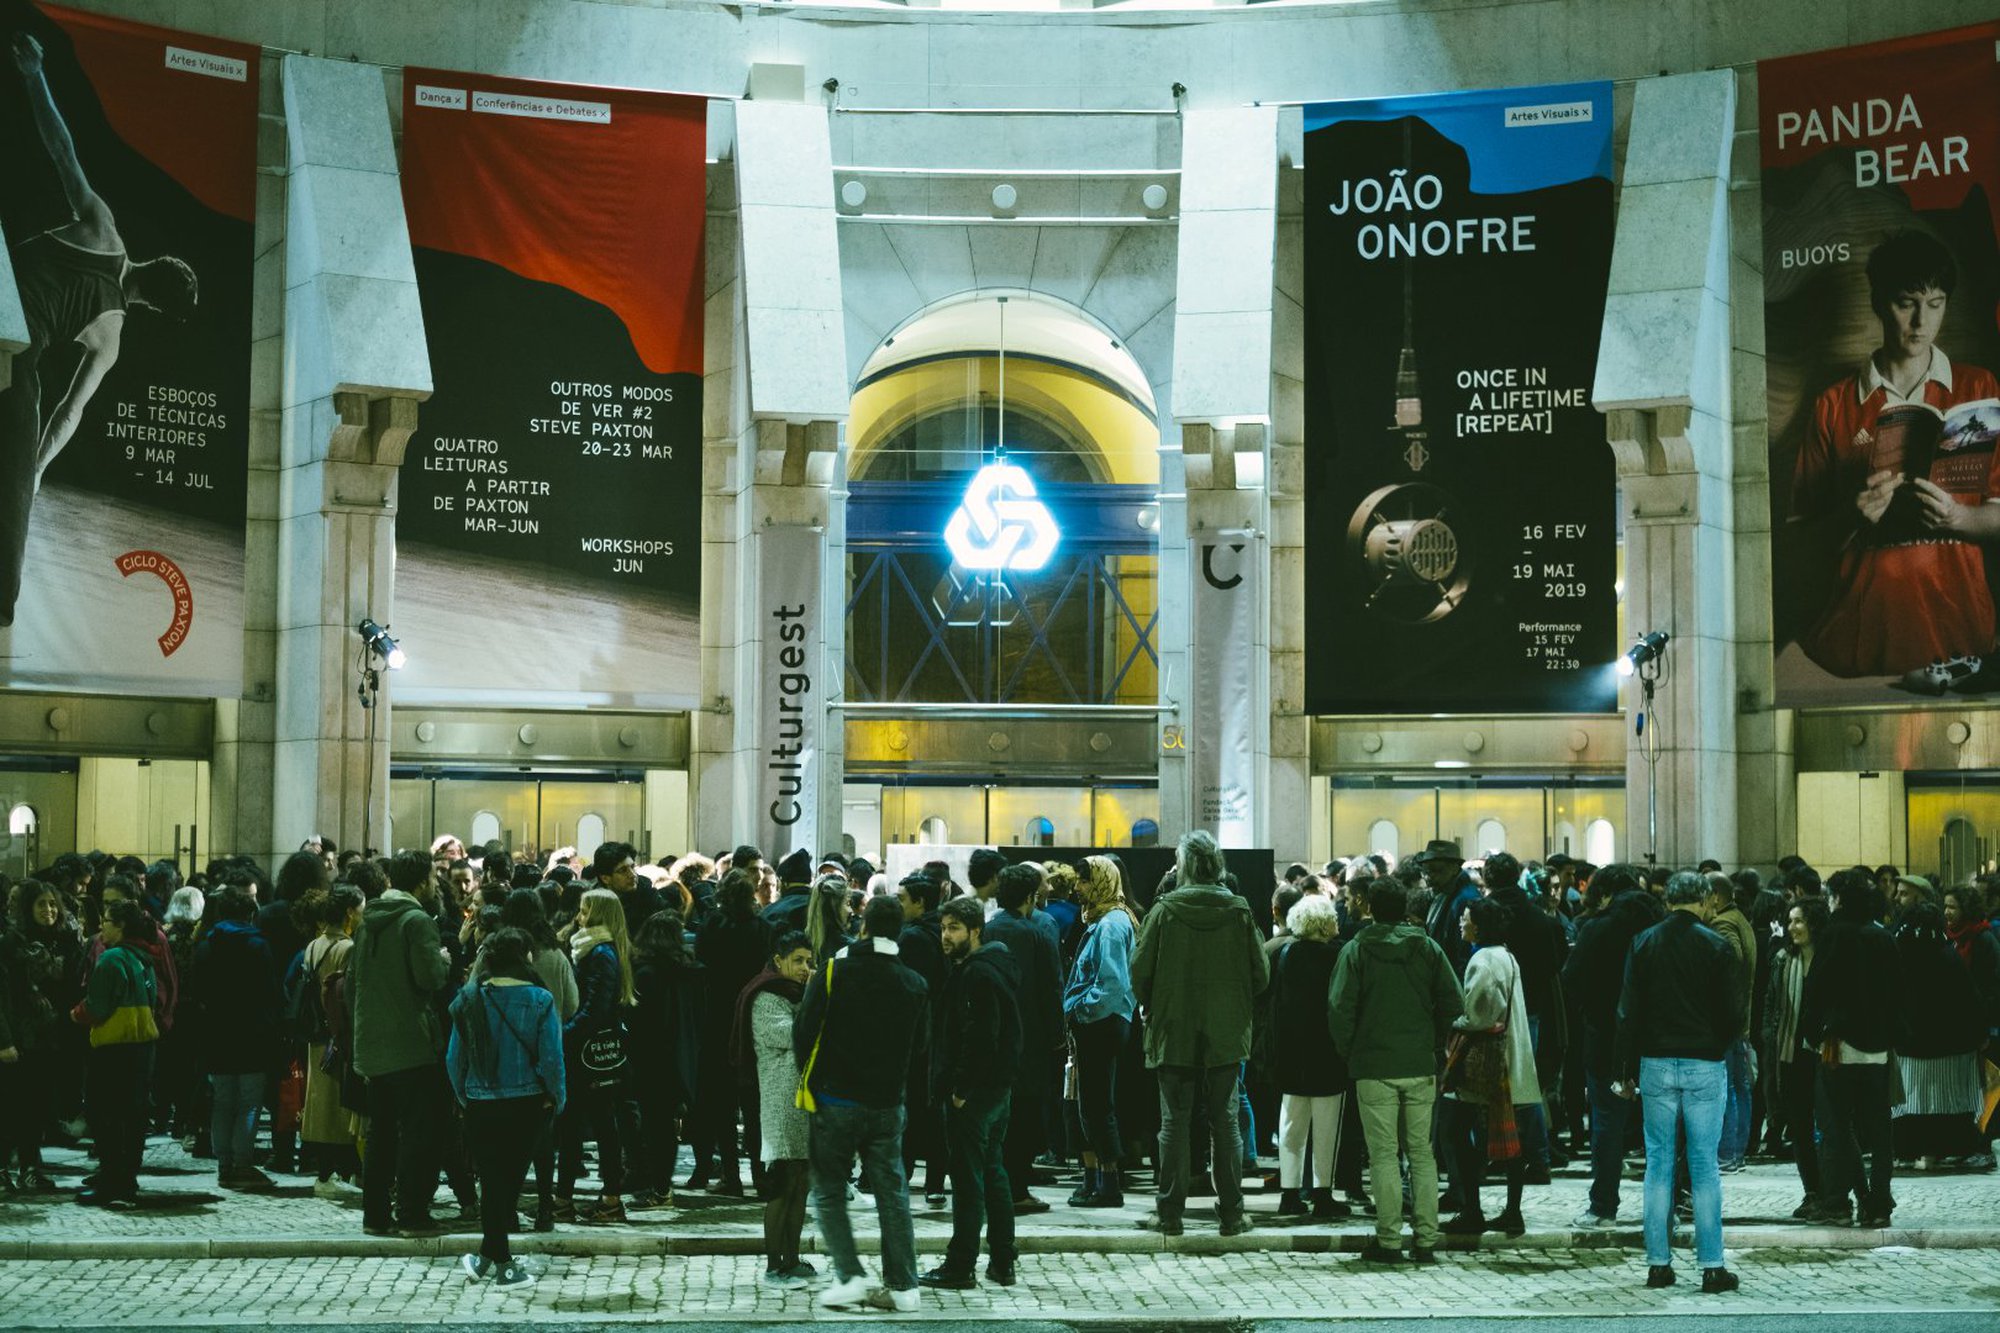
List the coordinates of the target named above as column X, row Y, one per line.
column 505, row 1060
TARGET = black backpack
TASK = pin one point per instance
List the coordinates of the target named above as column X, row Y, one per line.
column 305, row 1015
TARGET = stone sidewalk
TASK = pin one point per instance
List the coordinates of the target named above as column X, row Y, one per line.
column 1091, row 1290
column 186, row 1217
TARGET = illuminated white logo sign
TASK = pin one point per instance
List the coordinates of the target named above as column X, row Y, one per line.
column 1001, row 524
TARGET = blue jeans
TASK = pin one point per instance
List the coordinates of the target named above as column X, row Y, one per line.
column 838, row 1134
column 982, row 1196
column 233, row 1124
column 1683, row 1094
column 1736, row 1114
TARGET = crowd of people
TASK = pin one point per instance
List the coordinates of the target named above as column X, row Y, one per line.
column 503, row 1024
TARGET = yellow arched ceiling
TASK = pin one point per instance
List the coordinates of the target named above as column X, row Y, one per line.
column 1118, row 441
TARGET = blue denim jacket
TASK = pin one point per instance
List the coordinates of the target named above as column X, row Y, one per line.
column 527, row 1045
column 1100, row 981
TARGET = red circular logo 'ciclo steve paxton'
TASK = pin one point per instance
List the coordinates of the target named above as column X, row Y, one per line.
column 152, row 562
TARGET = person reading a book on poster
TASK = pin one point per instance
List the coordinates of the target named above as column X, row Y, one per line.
column 76, row 283
column 1899, row 473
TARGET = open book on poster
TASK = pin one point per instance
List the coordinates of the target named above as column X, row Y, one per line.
column 1953, row 448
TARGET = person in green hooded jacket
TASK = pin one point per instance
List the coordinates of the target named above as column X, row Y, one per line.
column 1198, row 969
column 394, row 973
column 1390, row 1011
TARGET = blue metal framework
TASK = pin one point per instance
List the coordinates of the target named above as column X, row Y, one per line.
column 920, row 630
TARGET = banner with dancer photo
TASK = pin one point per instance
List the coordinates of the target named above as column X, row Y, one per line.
column 548, row 537
column 124, row 425
column 1882, row 334
column 1460, row 541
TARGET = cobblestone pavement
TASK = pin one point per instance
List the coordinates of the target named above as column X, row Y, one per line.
column 186, row 1216
column 1124, row 1290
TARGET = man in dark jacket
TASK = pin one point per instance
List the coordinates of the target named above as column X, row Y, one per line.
column 1390, row 1009
column 1198, row 969
column 1850, row 1002
column 973, row 1070
column 1678, row 1012
column 795, row 877
column 862, row 1019
column 1594, row 975
column 1452, row 891
column 396, row 969
column 1726, row 919
column 237, row 989
column 615, row 866
column 1031, row 937
column 918, row 947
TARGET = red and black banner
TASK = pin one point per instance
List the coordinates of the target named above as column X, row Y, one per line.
column 556, row 472
column 128, row 193
column 1882, row 337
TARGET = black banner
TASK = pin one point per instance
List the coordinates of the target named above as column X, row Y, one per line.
column 1460, row 494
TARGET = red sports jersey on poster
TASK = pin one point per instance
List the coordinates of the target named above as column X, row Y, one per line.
column 598, row 190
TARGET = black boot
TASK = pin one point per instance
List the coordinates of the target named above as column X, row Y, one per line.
column 1291, row 1204
column 1110, row 1189
column 1086, row 1193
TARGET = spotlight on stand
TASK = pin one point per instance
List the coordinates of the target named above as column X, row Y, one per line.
column 1648, row 650
column 381, row 645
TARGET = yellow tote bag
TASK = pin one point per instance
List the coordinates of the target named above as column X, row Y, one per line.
column 803, row 1098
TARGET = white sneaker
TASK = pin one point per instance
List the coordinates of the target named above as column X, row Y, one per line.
column 477, row 1267
column 896, row 1302
column 333, row 1187
column 848, row 1294
column 1590, row 1221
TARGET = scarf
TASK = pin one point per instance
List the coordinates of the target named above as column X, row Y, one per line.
column 742, row 1047
column 1964, row 933
column 586, row 939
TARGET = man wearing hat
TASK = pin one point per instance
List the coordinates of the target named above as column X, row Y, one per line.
column 1452, row 892
column 795, row 888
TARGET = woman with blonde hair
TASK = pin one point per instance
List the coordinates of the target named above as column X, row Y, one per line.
column 594, row 1042
column 1098, row 1003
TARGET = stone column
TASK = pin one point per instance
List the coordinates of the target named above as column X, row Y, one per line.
column 355, row 366
column 1663, row 381
column 777, row 365
column 1223, row 398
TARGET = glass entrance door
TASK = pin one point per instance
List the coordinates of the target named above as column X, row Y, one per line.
column 1531, row 817
column 528, row 814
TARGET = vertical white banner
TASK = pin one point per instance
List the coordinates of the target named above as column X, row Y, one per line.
column 1227, row 593
column 791, row 698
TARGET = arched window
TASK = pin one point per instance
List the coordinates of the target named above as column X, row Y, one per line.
column 1600, row 842
column 1565, row 838
column 589, row 834
column 1145, row 833
column 485, row 827
column 22, row 819
column 934, row 830
column 1491, row 837
column 1041, row 832
column 1386, row 838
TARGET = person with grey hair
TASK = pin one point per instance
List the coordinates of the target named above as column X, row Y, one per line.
column 1198, row 969
column 1679, row 1011
column 1309, row 1073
